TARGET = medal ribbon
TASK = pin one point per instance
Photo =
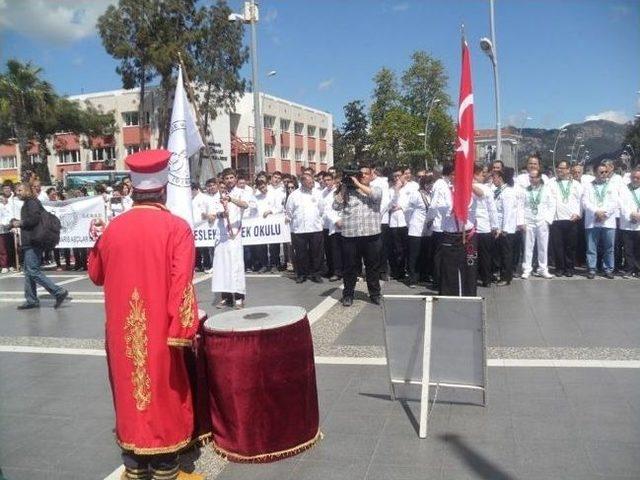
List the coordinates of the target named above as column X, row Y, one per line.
column 601, row 193
column 534, row 201
column 634, row 195
column 565, row 191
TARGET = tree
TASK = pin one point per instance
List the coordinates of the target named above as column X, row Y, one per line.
column 385, row 95
column 218, row 56
column 127, row 32
column 632, row 137
column 34, row 112
column 397, row 139
column 341, row 151
column 354, row 131
column 424, row 80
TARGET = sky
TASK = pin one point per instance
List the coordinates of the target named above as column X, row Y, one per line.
column 560, row 61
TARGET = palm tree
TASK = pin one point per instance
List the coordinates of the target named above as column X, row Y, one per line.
column 25, row 98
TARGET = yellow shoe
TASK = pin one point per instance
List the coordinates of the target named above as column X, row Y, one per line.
column 189, row 476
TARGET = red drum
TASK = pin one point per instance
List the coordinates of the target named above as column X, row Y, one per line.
column 262, row 383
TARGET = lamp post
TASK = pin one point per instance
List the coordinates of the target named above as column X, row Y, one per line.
column 426, row 130
column 575, row 140
column 555, row 147
column 250, row 16
column 490, row 48
column 578, row 151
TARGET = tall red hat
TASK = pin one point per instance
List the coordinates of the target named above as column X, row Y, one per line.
column 149, row 169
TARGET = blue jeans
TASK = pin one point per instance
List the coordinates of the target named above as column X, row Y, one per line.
column 606, row 238
column 33, row 275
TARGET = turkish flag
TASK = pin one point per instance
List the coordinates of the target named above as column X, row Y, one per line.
column 465, row 151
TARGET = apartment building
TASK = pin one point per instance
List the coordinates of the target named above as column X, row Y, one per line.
column 294, row 136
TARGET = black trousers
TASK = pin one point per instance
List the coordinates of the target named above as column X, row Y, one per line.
column 458, row 265
column 631, row 240
column 420, row 262
column 564, row 238
column 274, row 255
column 80, row 255
column 336, row 254
column 517, row 250
column 581, row 245
column 355, row 250
column 398, row 253
column 504, row 255
column 485, row 250
column 328, row 254
column 436, row 247
column 203, row 259
column 385, row 233
column 259, row 256
column 307, row 248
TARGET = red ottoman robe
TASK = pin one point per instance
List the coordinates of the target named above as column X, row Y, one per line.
column 145, row 261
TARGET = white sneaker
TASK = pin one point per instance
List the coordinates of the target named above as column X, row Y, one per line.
column 209, row 271
column 524, row 275
column 4, row 270
column 545, row 274
column 11, row 269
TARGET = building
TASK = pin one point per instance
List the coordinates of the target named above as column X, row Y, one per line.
column 485, row 143
column 294, row 136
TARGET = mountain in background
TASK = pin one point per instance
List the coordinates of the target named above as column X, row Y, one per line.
column 601, row 139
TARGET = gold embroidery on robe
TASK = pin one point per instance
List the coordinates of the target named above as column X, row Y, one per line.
column 136, row 338
column 185, row 312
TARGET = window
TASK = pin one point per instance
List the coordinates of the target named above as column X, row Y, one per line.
column 9, row 162
column 268, row 121
column 131, row 118
column 311, row 130
column 284, row 152
column 312, row 155
column 285, row 124
column 323, row 157
column 135, row 148
column 268, row 151
column 299, row 154
column 323, row 133
column 298, row 127
column 102, row 154
column 69, row 156
column 34, row 158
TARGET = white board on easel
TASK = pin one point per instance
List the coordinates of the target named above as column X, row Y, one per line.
column 437, row 341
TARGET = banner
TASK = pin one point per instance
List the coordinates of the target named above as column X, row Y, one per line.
column 255, row 231
column 82, row 220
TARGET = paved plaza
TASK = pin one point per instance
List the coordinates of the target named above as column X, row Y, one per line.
column 563, row 388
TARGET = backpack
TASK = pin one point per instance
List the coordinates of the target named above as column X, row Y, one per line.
column 46, row 234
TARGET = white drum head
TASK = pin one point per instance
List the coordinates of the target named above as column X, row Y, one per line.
column 255, row 318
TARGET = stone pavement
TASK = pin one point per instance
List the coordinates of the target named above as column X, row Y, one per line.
column 563, row 396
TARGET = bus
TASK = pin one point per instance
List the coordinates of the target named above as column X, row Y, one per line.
column 90, row 178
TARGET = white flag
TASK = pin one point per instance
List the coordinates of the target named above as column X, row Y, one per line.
column 184, row 141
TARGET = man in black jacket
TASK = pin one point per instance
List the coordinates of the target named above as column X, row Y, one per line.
column 30, row 217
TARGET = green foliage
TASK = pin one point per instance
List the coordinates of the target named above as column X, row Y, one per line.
column 354, row 131
column 396, row 136
column 385, row 95
column 424, row 80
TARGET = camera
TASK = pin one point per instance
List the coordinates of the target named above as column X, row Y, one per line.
column 348, row 172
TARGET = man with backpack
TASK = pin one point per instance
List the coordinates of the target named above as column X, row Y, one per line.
column 38, row 231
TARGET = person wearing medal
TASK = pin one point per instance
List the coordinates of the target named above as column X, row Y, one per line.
column 564, row 229
column 630, row 224
column 538, row 207
column 506, row 203
column 228, row 260
column 600, row 204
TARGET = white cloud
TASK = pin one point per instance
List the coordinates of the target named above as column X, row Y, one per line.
column 400, row 7
column 611, row 115
column 59, row 22
column 270, row 16
column 325, row 84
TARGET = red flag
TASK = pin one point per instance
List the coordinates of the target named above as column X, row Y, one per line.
column 465, row 150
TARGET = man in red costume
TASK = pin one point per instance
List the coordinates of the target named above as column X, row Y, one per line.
column 151, row 316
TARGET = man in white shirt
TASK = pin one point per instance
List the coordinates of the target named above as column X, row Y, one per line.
column 266, row 256
column 486, row 223
column 304, row 208
column 381, row 180
column 397, row 225
column 533, row 163
column 600, row 203
column 578, row 175
column 539, row 209
column 564, row 229
column 506, row 203
column 455, row 260
column 630, row 224
column 228, row 261
column 330, row 231
column 199, row 208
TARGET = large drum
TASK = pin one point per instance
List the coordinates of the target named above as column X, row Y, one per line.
column 262, row 383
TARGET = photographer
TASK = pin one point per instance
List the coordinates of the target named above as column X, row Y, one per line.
column 359, row 207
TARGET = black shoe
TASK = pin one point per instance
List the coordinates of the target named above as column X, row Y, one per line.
column 568, row 273
column 61, row 298
column 560, row 274
column 384, row 277
column 28, row 306
column 262, row 270
column 375, row 299
column 334, row 278
column 316, row 279
column 609, row 275
column 347, row 301
column 503, row 283
column 300, row 279
column 282, row 268
column 591, row 275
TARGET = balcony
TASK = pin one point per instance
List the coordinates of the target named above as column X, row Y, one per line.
column 311, row 143
column 285, row 140
column 66, row 142
column 131, row 135
column 299, row 141
column 322, row 143
column 269, row 137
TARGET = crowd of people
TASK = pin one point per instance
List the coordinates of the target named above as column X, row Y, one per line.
column 523, row 225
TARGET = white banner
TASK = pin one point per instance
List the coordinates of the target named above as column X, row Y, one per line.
column 255, row 231
column 78, row 219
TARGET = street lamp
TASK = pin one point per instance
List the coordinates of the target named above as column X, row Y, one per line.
column 250, row 16
column 578, row 151
column 489, row 47
column 555, row 147
column 433, row 103
column 575, row 140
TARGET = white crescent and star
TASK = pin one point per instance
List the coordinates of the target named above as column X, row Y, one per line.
column 464, row 143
